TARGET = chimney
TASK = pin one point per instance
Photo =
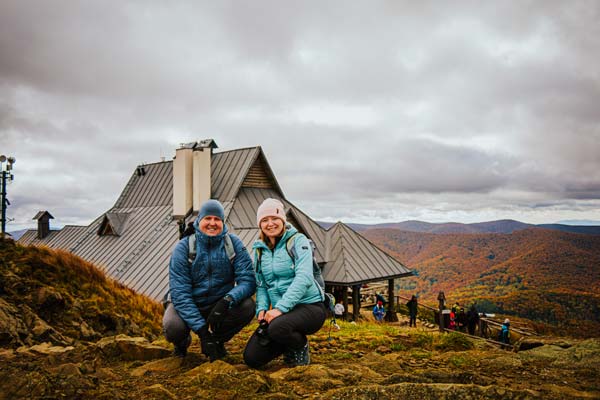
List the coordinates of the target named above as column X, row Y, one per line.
column 182, row 180
column 201, row 172
column 191, row 176
column 43, row 219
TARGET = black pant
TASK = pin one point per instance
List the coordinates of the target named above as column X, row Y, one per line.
column 176, row 330
column 288, row 331
column 413, row 320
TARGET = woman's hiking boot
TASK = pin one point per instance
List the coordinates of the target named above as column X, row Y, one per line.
column 294, row 358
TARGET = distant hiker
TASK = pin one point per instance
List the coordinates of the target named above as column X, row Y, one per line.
column 210, row 293
column 412, row 310
column 472, row 319
column 504, row 334
column 461, row 320
column 379, row 298
column 452, row 324
column 289, row 302
column 339, row 310
column 379, row 311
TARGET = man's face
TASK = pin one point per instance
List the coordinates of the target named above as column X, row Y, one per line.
column 211, row 225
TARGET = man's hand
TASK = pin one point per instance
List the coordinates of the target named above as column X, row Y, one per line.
column 216, row 316
column 208, row 344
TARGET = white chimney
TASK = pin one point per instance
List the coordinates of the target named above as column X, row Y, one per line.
column 182, row 180
column 201, row 172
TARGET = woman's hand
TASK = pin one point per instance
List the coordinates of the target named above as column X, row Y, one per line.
column 261, row 315
column 272, row 314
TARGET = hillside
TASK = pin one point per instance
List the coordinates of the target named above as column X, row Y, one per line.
column 54, row 296
column 545, row 275
column 59, row 317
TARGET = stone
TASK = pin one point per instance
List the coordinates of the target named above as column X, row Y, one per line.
column 131, row 348
column 48, row 349
column 158, row 391
column 169, row 364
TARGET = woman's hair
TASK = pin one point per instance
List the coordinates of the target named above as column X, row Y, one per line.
column 264, row 238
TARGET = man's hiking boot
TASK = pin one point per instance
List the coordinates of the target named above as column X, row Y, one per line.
column 294, row 358
column 181, row 349
column 221, row 351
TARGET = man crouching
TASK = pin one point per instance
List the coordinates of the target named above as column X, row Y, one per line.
column 211, row 294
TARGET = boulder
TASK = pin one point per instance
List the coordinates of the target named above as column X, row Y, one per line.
column 131, row 348
column 169, row 364
column 46, row 348
column 158, row 392
column 12, row 327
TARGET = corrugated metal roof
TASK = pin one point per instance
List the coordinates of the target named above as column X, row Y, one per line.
column 228, row 170
column 59, row 239
column 154, row 188
column 353, row 259
column 139, row 258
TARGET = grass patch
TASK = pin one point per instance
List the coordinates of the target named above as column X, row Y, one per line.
column 453, row 342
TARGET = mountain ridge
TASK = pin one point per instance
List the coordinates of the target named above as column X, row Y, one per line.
column 497, row 226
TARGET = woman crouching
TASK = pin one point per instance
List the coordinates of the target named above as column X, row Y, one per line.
column 289, row 303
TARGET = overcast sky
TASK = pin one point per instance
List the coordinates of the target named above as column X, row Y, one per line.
column 367, row 111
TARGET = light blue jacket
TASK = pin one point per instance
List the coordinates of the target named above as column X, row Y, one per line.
column 210, row 277
column 279, row 282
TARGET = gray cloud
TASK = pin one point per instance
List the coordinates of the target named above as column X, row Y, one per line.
column 375, row 111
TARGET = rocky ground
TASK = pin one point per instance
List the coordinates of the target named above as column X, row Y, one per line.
column 66, row 332
column 362, row 361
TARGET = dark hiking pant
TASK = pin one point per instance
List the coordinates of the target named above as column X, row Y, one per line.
column 413, row 321
column 288, row 331
column 176, row 330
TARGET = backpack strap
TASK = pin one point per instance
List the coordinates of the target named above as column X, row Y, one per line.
column 291, row 250
column 191, row 248
column 229, row 249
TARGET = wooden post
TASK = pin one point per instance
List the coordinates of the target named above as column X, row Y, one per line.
column 390, row 315
column 355, row 302
column 441, row 307
column 345, row 301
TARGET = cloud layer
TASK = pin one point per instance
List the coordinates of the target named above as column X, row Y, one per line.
column 368, row 112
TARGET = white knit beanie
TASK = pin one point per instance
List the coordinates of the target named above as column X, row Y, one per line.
column 270, row 208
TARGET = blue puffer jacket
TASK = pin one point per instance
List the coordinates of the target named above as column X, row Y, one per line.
column 210, row 277
column 281, row 283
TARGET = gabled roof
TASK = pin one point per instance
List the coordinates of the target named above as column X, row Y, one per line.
column 43, row 214
column 241, row 180
column 353, row 259
column 230, row 170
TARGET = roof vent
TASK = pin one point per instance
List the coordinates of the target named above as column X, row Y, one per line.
column 43, row 219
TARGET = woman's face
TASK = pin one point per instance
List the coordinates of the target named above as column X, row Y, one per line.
column 271, row 227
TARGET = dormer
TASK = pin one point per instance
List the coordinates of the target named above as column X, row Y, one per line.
column 113, row 224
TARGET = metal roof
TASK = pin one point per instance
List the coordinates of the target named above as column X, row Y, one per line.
column 153, row 188
column 353, row 259
column 142, row 215
column 60, row 239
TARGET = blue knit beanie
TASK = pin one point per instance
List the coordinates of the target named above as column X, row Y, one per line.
column 213, row 208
